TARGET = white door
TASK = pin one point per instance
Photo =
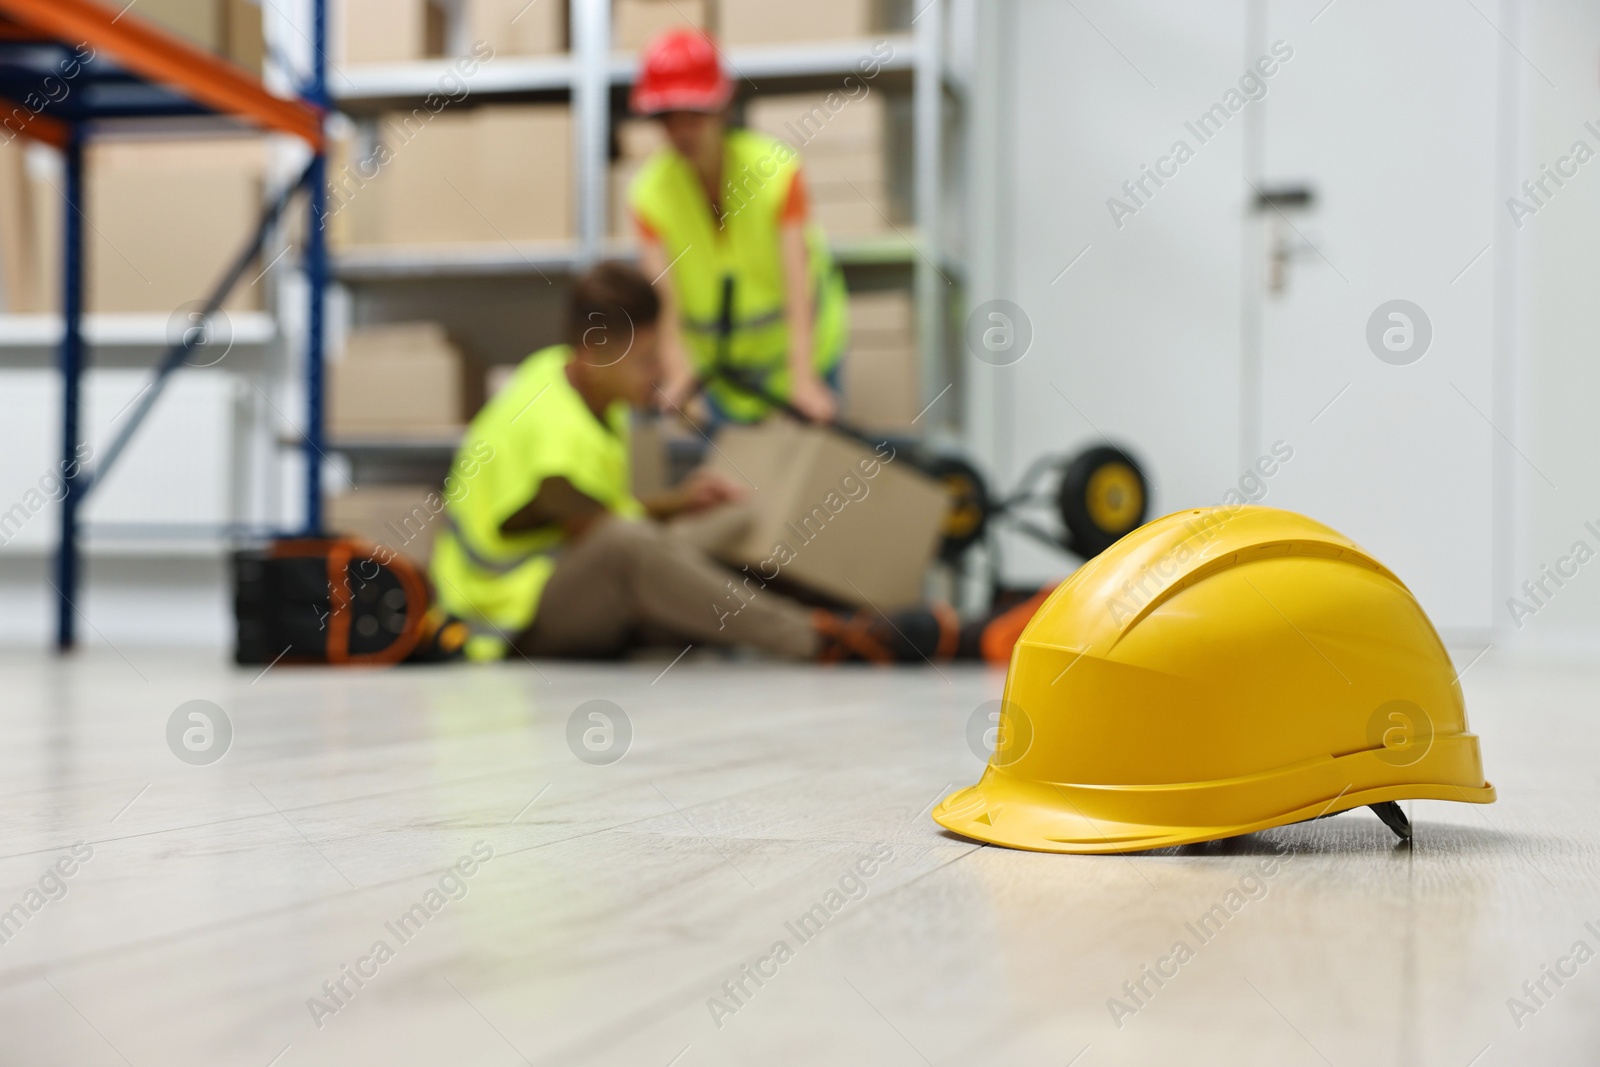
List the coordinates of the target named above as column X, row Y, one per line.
column 1133, row 318
column 1373, row 348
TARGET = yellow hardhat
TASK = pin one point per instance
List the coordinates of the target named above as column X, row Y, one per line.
column 1213, row 673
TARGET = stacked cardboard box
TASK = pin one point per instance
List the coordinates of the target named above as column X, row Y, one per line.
column 400, row 31
column 637, row 141
column 230, row 28
column 403, row 518
column 490, row 174
column 402, row 380
column 841, row 140
column 517, row 27
column 882, row 379
column 635, row 23
column 765, row 22
column 381, row 31
column 167, row 217
column 22, row 262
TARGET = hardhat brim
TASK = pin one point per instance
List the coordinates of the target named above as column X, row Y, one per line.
column 659, row 102
column 1003, row 809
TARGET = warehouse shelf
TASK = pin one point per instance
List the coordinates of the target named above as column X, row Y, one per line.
column 380, row 263
column 374, row 86
column 823, row 59
column 74, row 68
column 592, row 79
column 359, row 263
column 888, row 250
column 370, row 87
column 440, row 446
column 131, row 330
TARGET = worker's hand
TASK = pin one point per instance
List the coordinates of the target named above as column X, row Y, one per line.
column 676, row 392
column 704, row 489
column 814, row 399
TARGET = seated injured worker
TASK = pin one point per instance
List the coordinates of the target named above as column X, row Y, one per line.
column 722, row 216
column 546, row 549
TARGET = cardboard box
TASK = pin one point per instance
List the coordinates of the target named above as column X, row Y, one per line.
column 381, row 31
column 404, row 518
column 819, row 121
column 884, row 311
column 882, row 386
column 518, row 27
column 639, row 139
column 620, row 217
column 21, row 265
column 200, row 22
column 401, row 380
column 843, row 149
column 852, row 219
column 635, row 23
column 765, row 22
column 230, row 28
column 243, row 39
column 883, row 370
column 865, row 170
column 830, row 514
column 169, row 217
column 45, row 180
column 491, row 174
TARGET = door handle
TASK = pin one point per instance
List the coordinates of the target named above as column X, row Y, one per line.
column 1282, row 197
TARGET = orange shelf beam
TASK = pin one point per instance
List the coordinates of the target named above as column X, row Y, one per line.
column 160, row 57
column 18, row 119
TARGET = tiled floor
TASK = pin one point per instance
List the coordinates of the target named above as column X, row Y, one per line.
column 215, row 914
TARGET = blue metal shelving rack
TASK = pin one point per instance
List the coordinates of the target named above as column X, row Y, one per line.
column 70, row 66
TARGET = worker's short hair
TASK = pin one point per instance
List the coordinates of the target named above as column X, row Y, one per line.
column 610, row 300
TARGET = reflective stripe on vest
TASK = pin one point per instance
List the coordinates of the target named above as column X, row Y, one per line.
column 482, row 562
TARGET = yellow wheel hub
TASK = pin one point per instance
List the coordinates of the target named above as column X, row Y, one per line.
column 1115, row 497
column 965, row 514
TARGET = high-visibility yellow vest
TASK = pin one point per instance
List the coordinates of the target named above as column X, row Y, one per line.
column 744, row 245
column 537, row 427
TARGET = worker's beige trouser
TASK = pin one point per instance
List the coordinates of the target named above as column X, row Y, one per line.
column 627, row 579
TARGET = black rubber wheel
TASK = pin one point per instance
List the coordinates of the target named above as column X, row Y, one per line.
column 968, row 516
column 1103, row 495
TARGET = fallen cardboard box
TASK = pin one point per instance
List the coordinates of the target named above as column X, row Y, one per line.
column 832, row 515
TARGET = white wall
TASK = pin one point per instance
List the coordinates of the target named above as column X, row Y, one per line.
column 1145, row 333
column 1558, row 327
column 1139, row 341
column 182, row 470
